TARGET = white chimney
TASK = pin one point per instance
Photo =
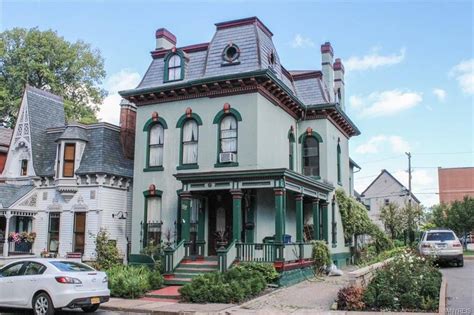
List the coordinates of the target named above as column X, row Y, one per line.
column 164, row 39
column 327, row 55
column 339, row 82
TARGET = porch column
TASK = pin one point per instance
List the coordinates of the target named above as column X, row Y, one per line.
column 185, row 215
column 236, row 214
column 279, row 215
column 316, row 216
column 7, row 231
column 299, row 217
column 325, row 221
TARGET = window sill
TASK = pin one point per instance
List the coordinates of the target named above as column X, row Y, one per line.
column 169, row 81
column 187, row 167
column 153, row 169
column 232, row 164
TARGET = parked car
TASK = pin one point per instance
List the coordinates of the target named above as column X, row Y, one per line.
column 46, row 285
column 443, row 245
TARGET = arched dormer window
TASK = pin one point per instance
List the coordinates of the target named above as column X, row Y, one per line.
column 310, row 141
column 291, row 149
column 155, row 127
column 339, row 175
column 188, row 153
column 227, row 120
column 174, row 66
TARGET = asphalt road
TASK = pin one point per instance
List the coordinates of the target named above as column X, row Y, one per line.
column 460, row 288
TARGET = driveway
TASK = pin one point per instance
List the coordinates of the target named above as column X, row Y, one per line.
column 460, row 288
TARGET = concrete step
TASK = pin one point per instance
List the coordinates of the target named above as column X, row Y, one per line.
column 169, row 292
column 177, row 281
column 194, row 270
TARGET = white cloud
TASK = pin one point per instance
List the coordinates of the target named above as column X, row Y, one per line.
column 385, row 103
column 300, row 41
column 424, row 184
column 440, row 94
column 373, row 60
column 124, row 79
column 395, row 144
column 464, row 74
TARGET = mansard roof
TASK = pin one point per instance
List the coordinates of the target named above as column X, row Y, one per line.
column 74, row 132
column 9, row 194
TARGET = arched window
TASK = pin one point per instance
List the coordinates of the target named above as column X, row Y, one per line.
column 174, row 66
column 311, row 156
column 189, row 142
column 339, row 164
column 228, row 135
column 155, row 145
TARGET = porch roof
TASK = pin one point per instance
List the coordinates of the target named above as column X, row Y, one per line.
column 255, row 178
column 9, row 194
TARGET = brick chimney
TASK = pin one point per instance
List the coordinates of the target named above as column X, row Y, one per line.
column 327, row 55
column 339, row 82
column 164, row 39
column 128, row 116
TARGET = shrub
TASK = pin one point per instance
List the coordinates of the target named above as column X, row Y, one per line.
column 320, row 255
column 156, row 279
column 408, row 282
column 369, row 256
column 107, row 253
column 232, row 286
column 350, row 298
column 267, row 270
column 132, row 282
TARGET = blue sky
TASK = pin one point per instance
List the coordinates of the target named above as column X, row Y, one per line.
column 409, row 64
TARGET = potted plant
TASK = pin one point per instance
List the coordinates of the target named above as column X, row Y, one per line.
column 168, row 238
column 221, row 239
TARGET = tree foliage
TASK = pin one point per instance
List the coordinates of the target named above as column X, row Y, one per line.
column 356, row 221
column 47, row 61
column 392, row 219
column 458, row 216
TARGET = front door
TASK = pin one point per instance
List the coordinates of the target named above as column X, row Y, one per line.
column 79, row 232
column 220, row 219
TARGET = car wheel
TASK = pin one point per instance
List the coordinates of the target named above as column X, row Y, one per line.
column 42, row 305
column 91, row 309
column 461, row 262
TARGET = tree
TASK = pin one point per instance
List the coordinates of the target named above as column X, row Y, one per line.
column 47, row 61
column 410, row 217
column 457, row 216
column 392, row 219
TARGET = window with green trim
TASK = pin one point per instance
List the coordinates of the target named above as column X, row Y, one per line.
column 189, row 142
column 228, row 135
column 174, row 68
column 291, row 150
column 311, row 156
column 339, row 164
column 155, row 145
column 153, row 220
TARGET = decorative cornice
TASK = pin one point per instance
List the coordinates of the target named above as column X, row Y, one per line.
column 246, row 21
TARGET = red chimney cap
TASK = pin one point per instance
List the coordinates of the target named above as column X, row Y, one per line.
column 338, row 65
column 327, row 48
column 163, row 32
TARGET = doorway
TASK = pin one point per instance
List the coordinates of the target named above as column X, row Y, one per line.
column 220, row 219
column 79, row 232
column 3, row 225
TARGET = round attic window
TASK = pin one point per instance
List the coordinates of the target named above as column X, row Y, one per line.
column 231, row 53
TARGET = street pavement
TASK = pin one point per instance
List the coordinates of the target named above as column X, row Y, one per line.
column 99, row 312
column 460, row 288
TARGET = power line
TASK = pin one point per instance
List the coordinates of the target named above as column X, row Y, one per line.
column 380, row 160
column 443, row 153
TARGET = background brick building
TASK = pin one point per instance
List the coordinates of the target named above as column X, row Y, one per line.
column 455, row 183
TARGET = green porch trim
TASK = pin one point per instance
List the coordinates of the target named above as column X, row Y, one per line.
column 186, row 217
column 154, row 168
column 231, row 164
column 341, row 259
column 316, row 223
column 295, row 276
column 185, row 117
column 313, row 134
column 166, row 61
column 193, row 166
column 299, row 218
column 150, row 122
column 279, row 215
column 325, row 218
column 236, row 215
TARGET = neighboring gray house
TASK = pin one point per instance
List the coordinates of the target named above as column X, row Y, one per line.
column 383, row 190
column 63, row 182
column 229, row 141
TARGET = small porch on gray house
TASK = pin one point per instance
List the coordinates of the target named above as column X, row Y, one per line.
column 20, row 244
column 250, row 216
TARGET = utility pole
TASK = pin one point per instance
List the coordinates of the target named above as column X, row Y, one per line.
column 411, row 237
column 409, row 177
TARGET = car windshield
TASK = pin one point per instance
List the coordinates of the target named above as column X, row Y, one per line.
column 70, row 266
column 440, row 236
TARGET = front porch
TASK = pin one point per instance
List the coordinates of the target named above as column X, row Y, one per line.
column 18, row 245
column 262, row 214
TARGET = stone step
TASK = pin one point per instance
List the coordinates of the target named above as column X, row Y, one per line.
column 194, row 270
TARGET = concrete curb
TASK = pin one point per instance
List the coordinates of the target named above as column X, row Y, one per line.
column 468, row 257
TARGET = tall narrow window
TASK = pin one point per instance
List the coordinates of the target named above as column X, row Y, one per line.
column 79, row 232
column 53, row 232
column 24, row 168
column 291, row 150
column 228, row 135
column 174, row 68
column 68, row 163
column 311, row 156
column 153, row 221
column 339, row 164
column 155, row 145
column 58, row 168
column 190, row 137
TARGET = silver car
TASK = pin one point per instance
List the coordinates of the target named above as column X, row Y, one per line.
column 443, row 245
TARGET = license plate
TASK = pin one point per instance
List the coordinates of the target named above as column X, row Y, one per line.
column 95, row 300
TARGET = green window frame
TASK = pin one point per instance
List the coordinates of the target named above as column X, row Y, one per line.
column 146, row 227
column 333, row 224
column 183, row 120
column 174, row 66
column 291, row 149
column 304, row 139
column 339, row 175
column 218, row 120
column 148, row 128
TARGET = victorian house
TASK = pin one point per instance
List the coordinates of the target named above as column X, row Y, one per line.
column 63, row 182
column 237, row 156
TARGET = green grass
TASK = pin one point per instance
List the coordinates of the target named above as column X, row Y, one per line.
column 469, row 252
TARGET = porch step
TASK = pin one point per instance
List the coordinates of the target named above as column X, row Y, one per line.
column 199, row 264
column 194, row 270
column 177, row 281
column 167, row 293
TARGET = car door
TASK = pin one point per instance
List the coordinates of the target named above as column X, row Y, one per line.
column 10, row 291
column 30, row 281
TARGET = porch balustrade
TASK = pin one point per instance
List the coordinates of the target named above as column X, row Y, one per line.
column 227, row 256
column 258, row 252
column 173, row 256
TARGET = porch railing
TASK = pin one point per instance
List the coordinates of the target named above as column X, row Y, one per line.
column 227, row 256
column 258, row 252
column 307, row 251
column 291, row 252
column 173, row 256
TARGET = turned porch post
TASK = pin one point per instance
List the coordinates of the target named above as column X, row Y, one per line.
column 7, row 231
column 279, row 215
column 299, row 218
column 236, row 214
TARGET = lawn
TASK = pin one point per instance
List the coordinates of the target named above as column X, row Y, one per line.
column 469, row 252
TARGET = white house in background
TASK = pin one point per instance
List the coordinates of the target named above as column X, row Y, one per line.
column 65, row 182
column 383, row 190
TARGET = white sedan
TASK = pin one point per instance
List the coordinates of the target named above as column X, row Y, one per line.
column 46, row 285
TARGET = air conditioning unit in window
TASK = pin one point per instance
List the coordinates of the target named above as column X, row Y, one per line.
column 227, row 157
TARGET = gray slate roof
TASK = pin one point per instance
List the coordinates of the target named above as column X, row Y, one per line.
column 9, row 194
column 255, row 46
column 5, row 136
column 74, row 133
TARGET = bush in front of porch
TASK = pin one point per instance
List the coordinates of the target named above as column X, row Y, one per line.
column 267, row 270
column 133, row 282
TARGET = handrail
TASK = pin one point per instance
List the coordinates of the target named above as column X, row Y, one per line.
column 227, row 256
column 173, row 256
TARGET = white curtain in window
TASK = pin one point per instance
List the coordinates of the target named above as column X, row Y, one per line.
column 156, row 145
column 154, row 210
column 174, row 68
column 190, row 142
column 229, row 134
